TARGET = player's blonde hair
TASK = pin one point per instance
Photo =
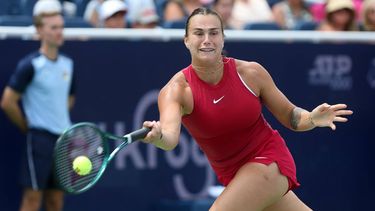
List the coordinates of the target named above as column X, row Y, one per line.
column 38, row 19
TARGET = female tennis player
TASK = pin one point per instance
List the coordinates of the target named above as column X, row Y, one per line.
column 219, row 100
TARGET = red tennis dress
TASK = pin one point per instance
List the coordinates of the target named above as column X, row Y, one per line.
column 229, row 127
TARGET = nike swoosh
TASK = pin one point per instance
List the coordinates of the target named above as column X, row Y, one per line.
column 218, row 100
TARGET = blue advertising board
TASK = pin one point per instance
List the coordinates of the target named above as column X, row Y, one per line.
column 117, row 87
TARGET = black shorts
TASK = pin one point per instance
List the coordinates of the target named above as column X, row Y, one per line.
column 37, row 160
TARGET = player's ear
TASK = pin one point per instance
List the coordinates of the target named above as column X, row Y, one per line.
column 38, row 29
column 186, row 43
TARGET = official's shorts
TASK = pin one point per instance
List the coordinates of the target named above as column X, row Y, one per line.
column 274, row 150
column 37, row 160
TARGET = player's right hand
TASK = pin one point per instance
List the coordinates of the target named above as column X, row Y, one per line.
column 155, row 134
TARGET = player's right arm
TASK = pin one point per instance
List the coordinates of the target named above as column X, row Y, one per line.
column 165, row 133
column 10, row 105
column 13, row 91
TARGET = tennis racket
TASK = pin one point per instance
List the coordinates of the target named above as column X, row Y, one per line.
column 86, row 139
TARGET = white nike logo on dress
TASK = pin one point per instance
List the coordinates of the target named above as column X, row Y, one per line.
column 218, row 100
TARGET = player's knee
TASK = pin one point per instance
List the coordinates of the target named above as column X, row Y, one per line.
column 31, row 202
column 54, row 203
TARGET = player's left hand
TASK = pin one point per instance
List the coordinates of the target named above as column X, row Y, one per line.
column 325, row 115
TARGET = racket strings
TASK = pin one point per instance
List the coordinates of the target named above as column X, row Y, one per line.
column 80, row 141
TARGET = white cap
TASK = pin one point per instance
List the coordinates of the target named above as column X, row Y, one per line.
column 146, row 16
column 110, row 7
column 47, row 6
column 335, row 5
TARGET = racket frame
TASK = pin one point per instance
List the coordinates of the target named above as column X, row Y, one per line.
column 105, row 136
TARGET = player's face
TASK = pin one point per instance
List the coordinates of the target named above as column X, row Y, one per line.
column 51, row 31
column 205, row 39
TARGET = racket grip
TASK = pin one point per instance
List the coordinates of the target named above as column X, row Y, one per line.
column 139, row 134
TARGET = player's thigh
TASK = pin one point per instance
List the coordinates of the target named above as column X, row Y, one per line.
column 54, row 195
column 289, row 202
column 254, row 187
column 34, row 195
column 42, row 145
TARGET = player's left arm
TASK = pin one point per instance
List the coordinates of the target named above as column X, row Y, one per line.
column 294, row 117
column 72, row 91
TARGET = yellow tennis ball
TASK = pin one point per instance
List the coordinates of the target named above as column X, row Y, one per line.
column 82, row 165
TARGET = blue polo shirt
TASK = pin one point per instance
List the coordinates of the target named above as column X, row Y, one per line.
column 45, row 86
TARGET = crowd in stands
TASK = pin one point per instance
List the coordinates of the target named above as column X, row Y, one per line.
column 323, row 15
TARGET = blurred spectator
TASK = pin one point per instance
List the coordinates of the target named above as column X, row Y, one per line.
column 43, row 7
column 224, row 8
column 176, row 10
column 317, row 9
column 368, row 14
column 112, row 14
column 249, row 11
column 145, row 18
column 44, row 83
column 69, row 8
column 91, row 13
column 142, row 13
column 289, row 13
column 340, row 16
